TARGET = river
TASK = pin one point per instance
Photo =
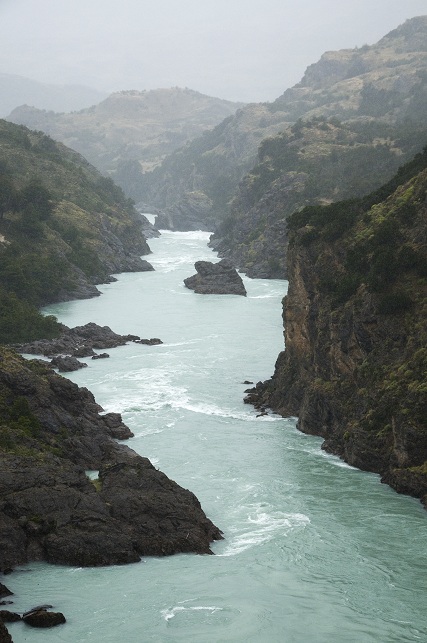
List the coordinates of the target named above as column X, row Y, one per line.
column 314, row 550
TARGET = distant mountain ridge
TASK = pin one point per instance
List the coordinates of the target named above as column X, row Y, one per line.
column 18, row 90
column 384, row 80
column 131, row 131
column 385, row 83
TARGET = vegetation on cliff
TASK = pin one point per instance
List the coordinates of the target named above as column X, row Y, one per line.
column 355, row 365
column 354, row 118
column 63, row 228
column 315, row 161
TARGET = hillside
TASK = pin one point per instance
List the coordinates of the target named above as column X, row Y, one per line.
column 384, row 83
column 385, row 80
column 63, row 228
column 130, row 131
column 354, row 369
column 314, row 161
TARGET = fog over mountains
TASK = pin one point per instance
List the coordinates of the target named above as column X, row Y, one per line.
column 18, row 90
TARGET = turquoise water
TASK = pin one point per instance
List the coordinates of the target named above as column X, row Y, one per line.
column 314, row 550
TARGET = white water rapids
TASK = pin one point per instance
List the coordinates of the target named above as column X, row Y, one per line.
column 314, row 550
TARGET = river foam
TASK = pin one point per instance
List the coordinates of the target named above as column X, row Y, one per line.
column 312, row 550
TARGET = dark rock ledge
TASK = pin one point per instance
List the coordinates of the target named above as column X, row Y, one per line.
column 80, row 341
column 216, row 279
column 51, row 433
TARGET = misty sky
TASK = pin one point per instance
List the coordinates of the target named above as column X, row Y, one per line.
column 247, row 50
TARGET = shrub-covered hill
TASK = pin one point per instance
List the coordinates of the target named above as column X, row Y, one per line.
column 384, row 82
column 355, row 365
column 316, row 161
column 63, row 228
column 130, row 131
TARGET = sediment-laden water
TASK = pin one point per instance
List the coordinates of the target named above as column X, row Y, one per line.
column 314, row 550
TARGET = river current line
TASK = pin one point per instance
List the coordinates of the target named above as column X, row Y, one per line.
column 314, row 550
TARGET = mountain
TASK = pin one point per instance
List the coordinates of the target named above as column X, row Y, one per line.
column 17, row 90
column 355, row 363
column 380, row 85
column 314, row 161
column 385, row 80
column 130, row 131
column 207, row 170
column 63, row 228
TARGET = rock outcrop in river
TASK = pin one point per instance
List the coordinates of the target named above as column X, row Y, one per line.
column 216, row 279
column 355, row 365
column 51, row 433
column 80, row 341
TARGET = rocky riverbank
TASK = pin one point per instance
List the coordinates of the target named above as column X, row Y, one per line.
column 81, row 341
column 52, row 434
column 354, row 367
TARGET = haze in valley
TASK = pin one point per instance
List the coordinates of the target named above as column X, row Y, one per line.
column 241, row 50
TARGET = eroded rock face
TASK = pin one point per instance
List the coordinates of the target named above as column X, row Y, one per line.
column 353, row 370
column 50, row 510
column 192, row 212
column 216, row 279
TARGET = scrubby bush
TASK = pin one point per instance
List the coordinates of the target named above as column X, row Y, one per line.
column 394, row 303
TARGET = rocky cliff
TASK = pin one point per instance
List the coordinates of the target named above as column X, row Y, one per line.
column 354, row 367
column 51, row 436
column 314, row 161
column 362, row 93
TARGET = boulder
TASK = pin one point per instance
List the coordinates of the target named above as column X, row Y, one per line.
column 216, row 279
column 67, row 364
column 40, row 617
column 9, row 617
column 4, row 634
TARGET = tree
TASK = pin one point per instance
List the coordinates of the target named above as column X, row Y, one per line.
column 7, row 194
column 35, row 200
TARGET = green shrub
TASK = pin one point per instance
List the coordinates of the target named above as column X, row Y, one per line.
column 394, row 303
column 21, row 322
